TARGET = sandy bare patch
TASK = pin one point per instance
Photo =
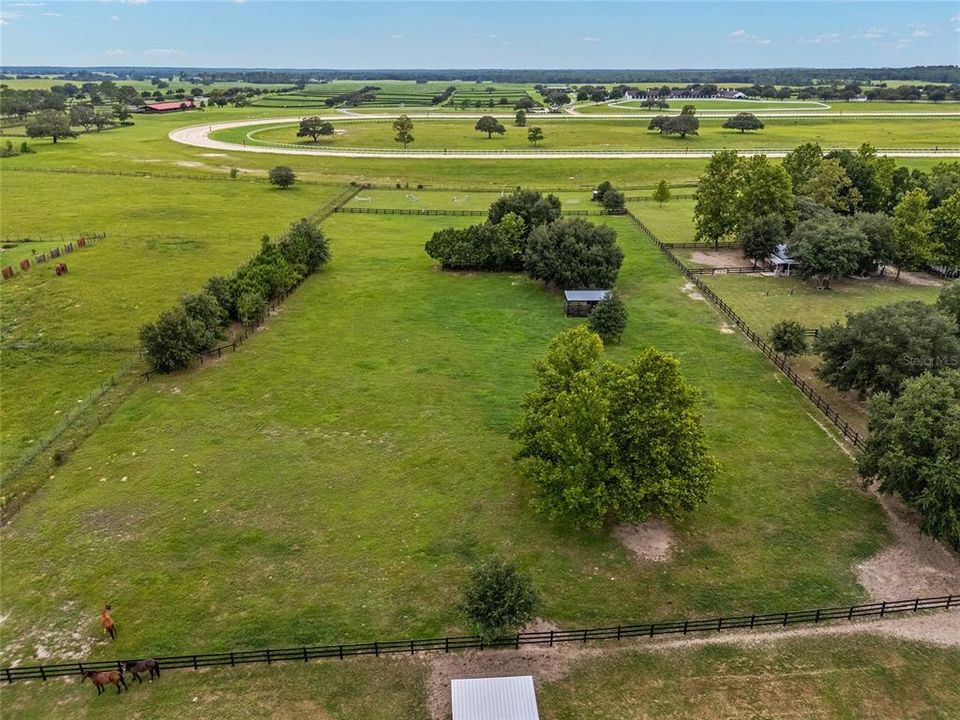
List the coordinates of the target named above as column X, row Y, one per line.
column 727, row 329
column 189, row 164
column 690, row 290
column 914, row 566
column 719, row 258
column 544, row 663
column 213, row 155
column 652, row 541
column 919, row 278
column 539, row 625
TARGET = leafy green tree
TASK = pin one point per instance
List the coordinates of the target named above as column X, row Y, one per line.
column 829, row 186
column 403, row 129
column 219, row 287
column 490, row 125
column 877, row 228
column 715, row 212
column 688, row 110
column 609, row 318
column 682, row 125
column 120, row 112
column 251, row 306
column 50, row 123
column 948, row 302
column 173, row 340
column 744, row 121
column 306, row 245
column 204, row 307
column 658, row 123
column 572, row 253
column 828, row 247
column 912, row 232
column 613, row 201
column 764, row 189
column 760, row 236
column 313, row 127
column 946, row 229
column 914, row 449
column 531, row 206
column 607, row 443
column 789, row 337
column 499, row 598
column 282, row 176
column 535, row 135
column 661, row 193
column 802, row 162
column 520, row 119
column 101, row 120
column 82, row 115
column 880, row 348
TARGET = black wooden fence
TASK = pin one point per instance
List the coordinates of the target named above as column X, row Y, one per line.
column 776, row 358
column 703, row 245
column 550, row 638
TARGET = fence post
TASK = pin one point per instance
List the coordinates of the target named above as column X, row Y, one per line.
column 376, row 648
column 304, row 653
column 618, row 632
column 816, row 618
column 883, row 608
column 232, row 661
column 43, row 673
column 850, row 613
column 916, row 604
column 9, row 676
column 341, row 652
column 516, row 644
column 195, row 666
column 446, row 644
column 268, row 656
column 411, row 647
column 551, row 638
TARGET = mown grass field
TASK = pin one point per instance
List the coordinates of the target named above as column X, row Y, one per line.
column 63, row 335
column 836, row 107
column 626, row 134
column 835, row 677
column 395, row 397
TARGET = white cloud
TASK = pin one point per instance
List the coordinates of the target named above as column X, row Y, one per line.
column 742, row 36
column 126, row 2
column 590, row 40
column 4, row 15
column 920, row 33
column 26, row 4
column 397, row 37
column 114, row 18
column 115, row 52
column 874, row 33
column 822, row 39
column 955, row 21
column 162, row 52
column 52, row 14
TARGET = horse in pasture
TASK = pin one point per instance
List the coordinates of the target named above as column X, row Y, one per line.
column 100, row 678
column 135, row 667
column 106, row 622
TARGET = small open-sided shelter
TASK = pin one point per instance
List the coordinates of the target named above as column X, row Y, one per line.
column 580, row 303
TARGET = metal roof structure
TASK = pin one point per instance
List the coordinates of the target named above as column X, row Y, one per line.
column 585, row 295
column 500, row 698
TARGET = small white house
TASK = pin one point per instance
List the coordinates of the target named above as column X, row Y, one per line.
column 500, row 698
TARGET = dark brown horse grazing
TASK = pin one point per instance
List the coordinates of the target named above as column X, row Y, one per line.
column 106, row 622
column 138, row 666
column 105, row 677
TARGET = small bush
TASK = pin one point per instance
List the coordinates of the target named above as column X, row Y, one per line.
column 233, row 173
column 282, row 176
column 499, row 598
column 609, row 319
column 789, row 337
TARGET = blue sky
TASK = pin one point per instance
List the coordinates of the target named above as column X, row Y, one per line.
column 587, row 34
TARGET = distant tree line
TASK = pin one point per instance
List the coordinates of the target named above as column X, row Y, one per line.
column 773, row 76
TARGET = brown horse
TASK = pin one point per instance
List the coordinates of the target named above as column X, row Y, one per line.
column 105, row 677
column 106, row 622
column 135, row 667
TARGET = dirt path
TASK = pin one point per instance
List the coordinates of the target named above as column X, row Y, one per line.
column 199, row 136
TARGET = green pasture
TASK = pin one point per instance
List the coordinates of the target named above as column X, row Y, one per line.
column 718, row 104
column 564, row 133
column 829, row 676
column 62, row 335
column 393, row 386
column 412, row 199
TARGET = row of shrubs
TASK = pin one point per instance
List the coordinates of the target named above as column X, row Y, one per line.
column 524, row 230
column 199, row 321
